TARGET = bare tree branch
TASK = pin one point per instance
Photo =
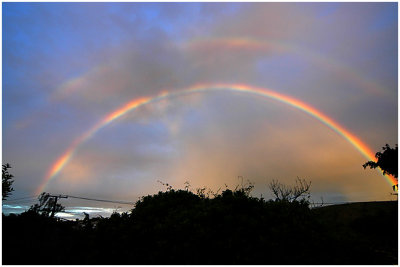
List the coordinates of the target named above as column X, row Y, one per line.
column 284, row 192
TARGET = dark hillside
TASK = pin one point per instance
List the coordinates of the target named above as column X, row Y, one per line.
column 371, row 227
column 348, row 213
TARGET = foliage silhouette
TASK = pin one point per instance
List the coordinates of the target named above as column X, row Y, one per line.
column 47, row 206
column 185, row 227
column 6, row 181
column 387, row 161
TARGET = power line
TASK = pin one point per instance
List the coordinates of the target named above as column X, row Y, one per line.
column 318, row 204
column 20, row 202
column 32, row 198
column 15, row 199
column 104, row 200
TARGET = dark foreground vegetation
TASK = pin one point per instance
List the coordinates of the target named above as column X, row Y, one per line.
column 182, row 227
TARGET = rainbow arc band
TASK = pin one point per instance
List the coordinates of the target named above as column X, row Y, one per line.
column 330, row 64
column 235, row 44
column 58, row 165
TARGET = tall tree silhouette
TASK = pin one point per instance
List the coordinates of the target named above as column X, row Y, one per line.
column 387, row 161
column 6, row 181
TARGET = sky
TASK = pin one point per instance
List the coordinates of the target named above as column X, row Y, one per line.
column 67, row 67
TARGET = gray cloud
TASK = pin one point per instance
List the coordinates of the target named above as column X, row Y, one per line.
column 93, row 58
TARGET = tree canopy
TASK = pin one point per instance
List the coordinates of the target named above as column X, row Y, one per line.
column 6, row 181
column 387, row 161
column 47, row 206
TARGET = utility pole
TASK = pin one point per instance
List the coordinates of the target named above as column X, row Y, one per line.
column 54, row 203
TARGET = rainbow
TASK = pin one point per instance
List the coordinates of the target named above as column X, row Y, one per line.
column 241, row 44
column 251, row 44
column 57, row 166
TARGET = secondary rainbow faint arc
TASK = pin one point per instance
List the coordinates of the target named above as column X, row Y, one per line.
column 329, row 63
column 57, row 166
column 241, row 43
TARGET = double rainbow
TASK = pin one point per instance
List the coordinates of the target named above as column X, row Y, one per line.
column 201, row 88
column 329, row 64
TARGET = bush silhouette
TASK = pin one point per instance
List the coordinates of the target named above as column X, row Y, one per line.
column 182, row 227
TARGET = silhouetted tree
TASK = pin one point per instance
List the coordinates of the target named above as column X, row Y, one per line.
column 6, row 181
column 282, row 192
column 387, row 161
column 47, row 206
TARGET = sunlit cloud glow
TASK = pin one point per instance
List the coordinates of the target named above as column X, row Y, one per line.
column 358, row 144
column 104, row 99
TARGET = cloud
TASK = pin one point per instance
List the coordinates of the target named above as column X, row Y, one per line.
column 68, row 65
column 269, row 148
column 216, row 143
